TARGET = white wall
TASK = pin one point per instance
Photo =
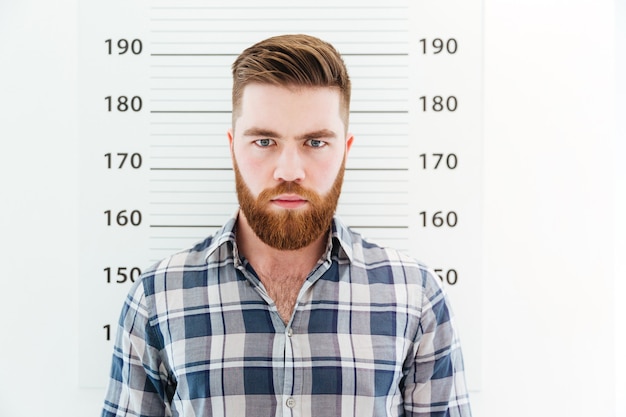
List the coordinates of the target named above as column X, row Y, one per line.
column 549, row 343
column 620, row 209
column 549, row 327
column 39, row 151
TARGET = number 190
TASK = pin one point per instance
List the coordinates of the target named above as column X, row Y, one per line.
column 438, row 46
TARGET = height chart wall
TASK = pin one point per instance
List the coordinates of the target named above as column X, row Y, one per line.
column 155, row 167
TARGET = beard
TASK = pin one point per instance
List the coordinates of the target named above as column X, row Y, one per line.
column 286, row 229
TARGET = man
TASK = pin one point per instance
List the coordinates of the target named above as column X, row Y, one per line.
column 285, row 311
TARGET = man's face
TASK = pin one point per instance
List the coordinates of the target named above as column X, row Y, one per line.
column 289, row 148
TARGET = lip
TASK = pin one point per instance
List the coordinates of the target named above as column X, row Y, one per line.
column 289, row 201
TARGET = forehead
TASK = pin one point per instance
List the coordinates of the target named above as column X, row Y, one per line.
column 266, row 103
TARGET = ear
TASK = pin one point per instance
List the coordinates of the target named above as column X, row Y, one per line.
column 229, row 134
column 349, row 140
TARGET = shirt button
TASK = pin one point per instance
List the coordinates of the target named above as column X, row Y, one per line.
column 291, row 403
column 290, row 332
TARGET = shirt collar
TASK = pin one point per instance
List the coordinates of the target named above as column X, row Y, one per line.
column 340, row 239
column 342, row 236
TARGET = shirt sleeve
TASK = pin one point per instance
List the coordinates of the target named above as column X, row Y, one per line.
column 435, row 383
column 135, row 385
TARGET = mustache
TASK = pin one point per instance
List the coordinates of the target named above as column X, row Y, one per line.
column 288, row 187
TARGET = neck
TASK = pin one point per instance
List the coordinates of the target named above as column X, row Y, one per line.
column 263, row 257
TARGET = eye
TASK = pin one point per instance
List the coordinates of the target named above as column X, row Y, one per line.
column 264, row 143
column 316, row 143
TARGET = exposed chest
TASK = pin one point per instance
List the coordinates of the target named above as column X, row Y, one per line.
column 283, row 288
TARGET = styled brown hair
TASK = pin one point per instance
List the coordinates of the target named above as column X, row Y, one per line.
column 291, row 61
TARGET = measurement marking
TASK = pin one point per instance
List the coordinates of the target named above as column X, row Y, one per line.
column 379, row 111
column 229, row 111
column 216, row 77
column 376, row 54
column 361, row 135
column 191, row 111
column 236, row 43
column 256, row 31
column 382, row 54
column 191, row 123
column 184, row 225
column 230, row 169
column 188, row 226
column 229, row 88
column 207, row 89
column 376, row 169
column 188, row 134
column 182, row 100
column 188, row 54
column 378, row 227
column 282, row 8
column 223, row 146
column 190, row 169
column 187, row 146
column 169, row 238
column 221, row 100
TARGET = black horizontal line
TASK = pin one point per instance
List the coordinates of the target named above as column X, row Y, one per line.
column 190, row 111
column 234, row 55
column 193, row 55
column 228, row 111
column 378, row 54
column 183, row 225
column 378, row 227
column 191, row 169
column 293, row 7
column 230, row 169
column 173, row 226
column 377, row 169
column 380, row 111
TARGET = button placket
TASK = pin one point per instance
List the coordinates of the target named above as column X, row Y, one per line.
column 288, row 383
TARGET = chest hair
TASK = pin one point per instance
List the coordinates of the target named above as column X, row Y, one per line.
column 283, row 288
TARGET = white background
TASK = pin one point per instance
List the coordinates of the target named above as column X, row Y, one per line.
column 554, row 183
column 385, row 161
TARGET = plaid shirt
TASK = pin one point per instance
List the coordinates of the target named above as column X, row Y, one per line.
column 370, row 335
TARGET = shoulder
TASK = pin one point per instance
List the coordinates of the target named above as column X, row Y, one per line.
column 188, row 268
column 383, row 264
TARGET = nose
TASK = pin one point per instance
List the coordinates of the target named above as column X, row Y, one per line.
column 289, row 165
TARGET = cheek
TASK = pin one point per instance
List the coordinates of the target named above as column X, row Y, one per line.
column 327, row 173
column 253, row 172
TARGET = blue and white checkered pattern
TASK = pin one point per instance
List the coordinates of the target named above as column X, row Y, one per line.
column 371, row 335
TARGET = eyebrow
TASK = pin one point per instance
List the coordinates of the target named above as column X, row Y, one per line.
column 316, row 134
